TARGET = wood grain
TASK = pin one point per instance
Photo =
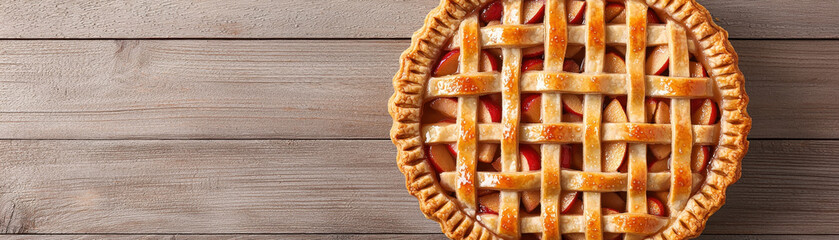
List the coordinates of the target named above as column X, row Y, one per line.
column 204, row 187
column 439, row 236
column 196, row 89
column 324, row 186
column 222, row 89
column 337, row 19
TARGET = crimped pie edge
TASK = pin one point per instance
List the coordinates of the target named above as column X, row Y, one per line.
column 426, row 45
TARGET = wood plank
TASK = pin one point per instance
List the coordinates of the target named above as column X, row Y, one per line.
column 311, row 186
column 196, row 89
column 204, row 187
column 789, row 80
column 344, row 19
column 88, row 237
column 222, row 89
column 230, row 236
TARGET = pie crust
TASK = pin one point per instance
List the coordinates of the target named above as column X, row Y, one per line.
column 442, row 23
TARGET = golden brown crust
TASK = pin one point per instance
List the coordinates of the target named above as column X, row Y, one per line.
column 427, row 44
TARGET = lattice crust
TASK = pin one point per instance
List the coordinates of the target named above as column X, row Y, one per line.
column 452, row 26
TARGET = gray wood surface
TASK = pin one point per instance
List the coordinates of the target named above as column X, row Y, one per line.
column 231, row 236
column 292, row 186
column 338, row 19
column 120, row 120
column 230, row 89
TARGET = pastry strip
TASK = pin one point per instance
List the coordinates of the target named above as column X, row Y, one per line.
column 680, row 120
column 555, row 47
column 508, row 223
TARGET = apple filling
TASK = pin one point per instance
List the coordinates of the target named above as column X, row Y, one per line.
column 614, row 154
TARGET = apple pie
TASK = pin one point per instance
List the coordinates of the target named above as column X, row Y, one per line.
column 569, row 119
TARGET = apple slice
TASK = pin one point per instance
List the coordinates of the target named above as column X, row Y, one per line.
column 613, row 10
column 659, row 166
column 488, row 203
column 533, row 64
column 489, row 62
column 440, row 158
column 570, row 117
column 652, row 17
column 486, row 151
column 706, row 114
column 445, row 106
column 662, row 116
column 613, row 201
column 533, row 52
column 575, row 208
column 696, row 70
column 568, row 200
column 619, row 19
column 452, row 147
column 448, row 64
column 531, row 162
column 608, row 211
column 700, row 156
column 614, row 63
column 570, row 66
column 623, row 167
column 614, row 152
column 658, row 61
column 492, row 12
column 572, row 104
column 650, row 106
column 531, row 199
column 660, row 195
column 565, row 158
column 576, row 12
column 534, row 11
column 662, row 113
column 660, row 151
column 531, row 159
column 497, row 164
column 621, row 99
column 655, row 207
column 531, row 108
column 489, row 111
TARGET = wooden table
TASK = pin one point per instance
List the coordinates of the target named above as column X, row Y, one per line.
column 267, row 119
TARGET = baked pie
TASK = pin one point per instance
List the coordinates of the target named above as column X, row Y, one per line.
column 569, row 119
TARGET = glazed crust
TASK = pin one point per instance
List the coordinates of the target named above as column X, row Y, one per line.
column 441, row 23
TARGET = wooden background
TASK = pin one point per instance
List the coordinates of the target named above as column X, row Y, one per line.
column 267, row 119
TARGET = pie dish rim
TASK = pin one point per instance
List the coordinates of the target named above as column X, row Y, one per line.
column 441, row 23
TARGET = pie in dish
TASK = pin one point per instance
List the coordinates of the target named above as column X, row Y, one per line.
column 569, row 119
